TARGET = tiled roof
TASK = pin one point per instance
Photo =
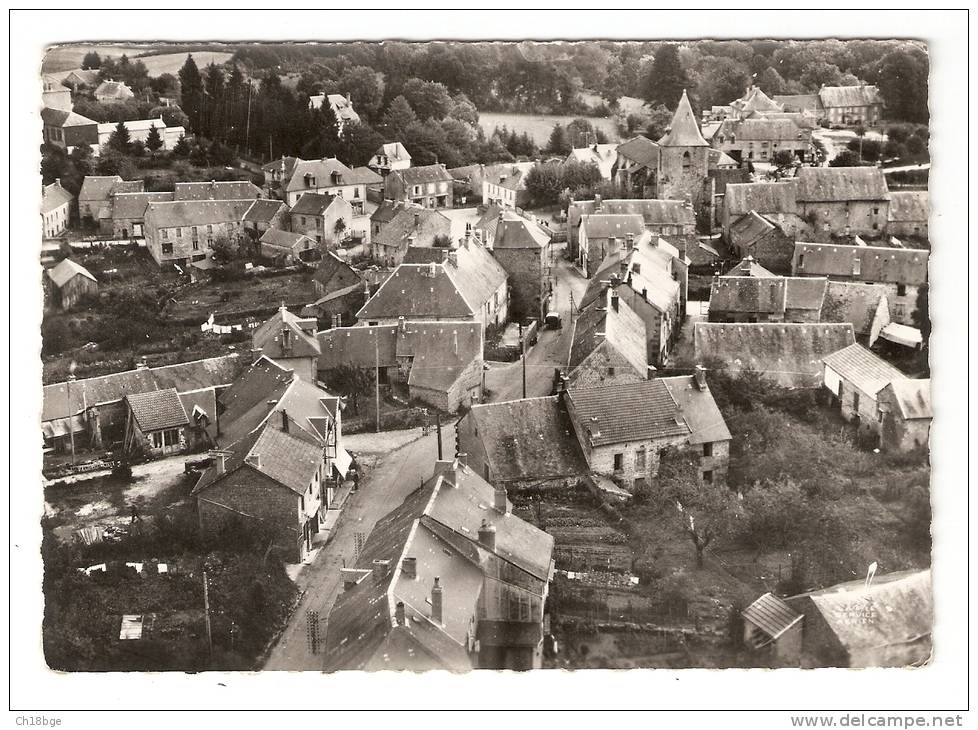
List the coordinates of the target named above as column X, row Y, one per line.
column 59, row 118
column 640, row 151
column 684, row 130
column 417, row 290
column 799, row 102
column 862, row 368
column 805, row 292
column 156, row 410
column 602, row 225
column 66, row 270
column 514, row 231
column 854, row 302
column 312, row 204
column 778, row 130
column 529, row 439
column 698, row 408
column 184, row 377
column 749, row 228
column 771, row 615
column 833, row 184
column 194, row 212
column 269, row 339
column 909, row 206
column 789, row 352
column 777, row 197
column 876, row 263
column 424, row 224
column 126, row 206
column 334, row 273
column 224, row 190
column 613, row 414
column 115, row 89
column 748, row 267
column 286, row 239
column 263, row 210
column 394, row 151
column 53, row 197
column 322, row 170
column 423, row 174
column 748, row 294
column 97, row 187
column 835, row 96
column 913, row 397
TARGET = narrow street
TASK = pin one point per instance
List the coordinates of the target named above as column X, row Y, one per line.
column 505, row 380
column 395, row 476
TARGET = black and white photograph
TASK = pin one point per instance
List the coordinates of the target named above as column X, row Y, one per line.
column 439, row 355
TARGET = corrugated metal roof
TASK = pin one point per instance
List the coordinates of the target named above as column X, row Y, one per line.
column 862, row 368
column 771, row 615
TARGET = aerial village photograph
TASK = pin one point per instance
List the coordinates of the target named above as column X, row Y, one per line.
column 479, row 355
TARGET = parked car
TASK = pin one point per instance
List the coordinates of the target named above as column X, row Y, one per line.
column 552, row 321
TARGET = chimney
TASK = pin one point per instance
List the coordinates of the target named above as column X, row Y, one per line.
column 499, row 502
column 437, row 602
column 220, row 463
column 699, row 375
column 630, row 241
column 455, row 341
column 379, row 569
column 614, row 300
column 409, row 568
column 399, row 613
column 401, row 325
column 431, row 269
column 58, row 180
column 487, row 535
column 645, row 294
column 285, row 420
column 453, row 258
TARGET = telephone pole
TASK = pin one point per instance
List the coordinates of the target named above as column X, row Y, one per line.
column 207, row 617
column 438, row 429
column 377, row 376
column 523, row 358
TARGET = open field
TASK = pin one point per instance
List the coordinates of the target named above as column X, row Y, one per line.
column 65, row 58
column 170, row 63
column 539, row 126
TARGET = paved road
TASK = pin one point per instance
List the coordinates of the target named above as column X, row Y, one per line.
column 505, row 381
column 395, row 476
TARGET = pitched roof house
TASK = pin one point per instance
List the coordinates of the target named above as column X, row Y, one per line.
column 839, row 184
column 906, row 412
column 216, row 190
column 330, row 176
column 871, row 264
column 113, row 91
column 439, row 363
column 430, row 186
column 341, row 105
column 55, row 209
column 409, row 226
column 390, row 156
column 290, row 341
column 790, row 354
column 67, row 130
column 450, row 579
column 602, row 156
column 72, row 283
column 155, row 422
column 909, row 213
column 865, row 306
column 608, row 344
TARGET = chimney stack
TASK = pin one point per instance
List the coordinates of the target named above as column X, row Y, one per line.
column 630, row 239
column 399, row 613
column 499, row 500
column 614, row 300
column 220, row 463
column 285, row 421
column 699, row 375
column 379, row 569
column 401, row 325
column 409, row 568
column 437, row 602
column 487, row 535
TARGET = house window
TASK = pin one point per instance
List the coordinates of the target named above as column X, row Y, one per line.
column 210, row 229
column 640, row 458
column 687, row 162
column 619, row 462
column 485, row 471
column 302, row 503
column 179, row 233
column 171, row 437
column 611, row 370
column 417, row 190
column 708, row 476
column 164, row 234
column 157, row 440
column 167, row 248
column 876, row 211
column 708, row 448
column 856, row 266
column 302, row 219
column 193, row 231
column 901, row 290
column 196, row 245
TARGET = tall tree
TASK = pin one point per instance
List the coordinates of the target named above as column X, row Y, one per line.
column 399, row 117
column 192, row 93
column 666, row 78
column 213, row 111
column 558, row 144
column 119, row 139
column 902, row 80
column 153, row 140
column 366, row 89
column 91, row 61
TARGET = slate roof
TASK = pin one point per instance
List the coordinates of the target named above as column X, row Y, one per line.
column 529, row 439
column 213, row 190
column 439, row 351
column 654, row 212
column 613, row 414
column 438, row 524
column 423, row 174
column 59, row 118
column 245, row 404
column 862, row 368
column 126, row 206
column 805, row 292
column 748, row 229
column 748, row 267
column 394, row 151
column 834, row 184
column 640, row 151
column 854, row 302
column 771, row 615
column 602, row 225
column 156, row 410
column 185, row 377
column 423, row 223
column 511, row 176
column 53, row 197
column 908, row 206
column 876, row 263
column 268, row 337
column 514, row 231
column 698, row 408
column 777, row 197
column 763, row 129
column 755, row 100
column 333, row 273
column 834, row 96
column 913, row 397
column 286, row 239
column 97, row 187
column 66, row 270
column 276, row 165
column 312, row 204
column 114, row 89
column 603, row 156
column 321, row 170
column 386, row 211
column 263, row 211
column 799, row 102
column 748, row 294
column 684, row 130
column 601, row 328
column 183, row 213
column 789, row 352
column 902, row 609
column 719, row 158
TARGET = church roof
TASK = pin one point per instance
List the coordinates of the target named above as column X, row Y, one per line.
column 684, row 130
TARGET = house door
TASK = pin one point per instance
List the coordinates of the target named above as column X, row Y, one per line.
column 125, row 233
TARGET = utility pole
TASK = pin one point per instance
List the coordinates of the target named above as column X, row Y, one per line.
column 523, row 358
column 248, row 121
column 377, row 375
column 207, row 617
column 71, row 426
column 438, row 429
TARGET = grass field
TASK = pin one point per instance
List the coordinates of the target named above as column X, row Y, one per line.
column 65, row 58
column 170, row 63
column 539, row 126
